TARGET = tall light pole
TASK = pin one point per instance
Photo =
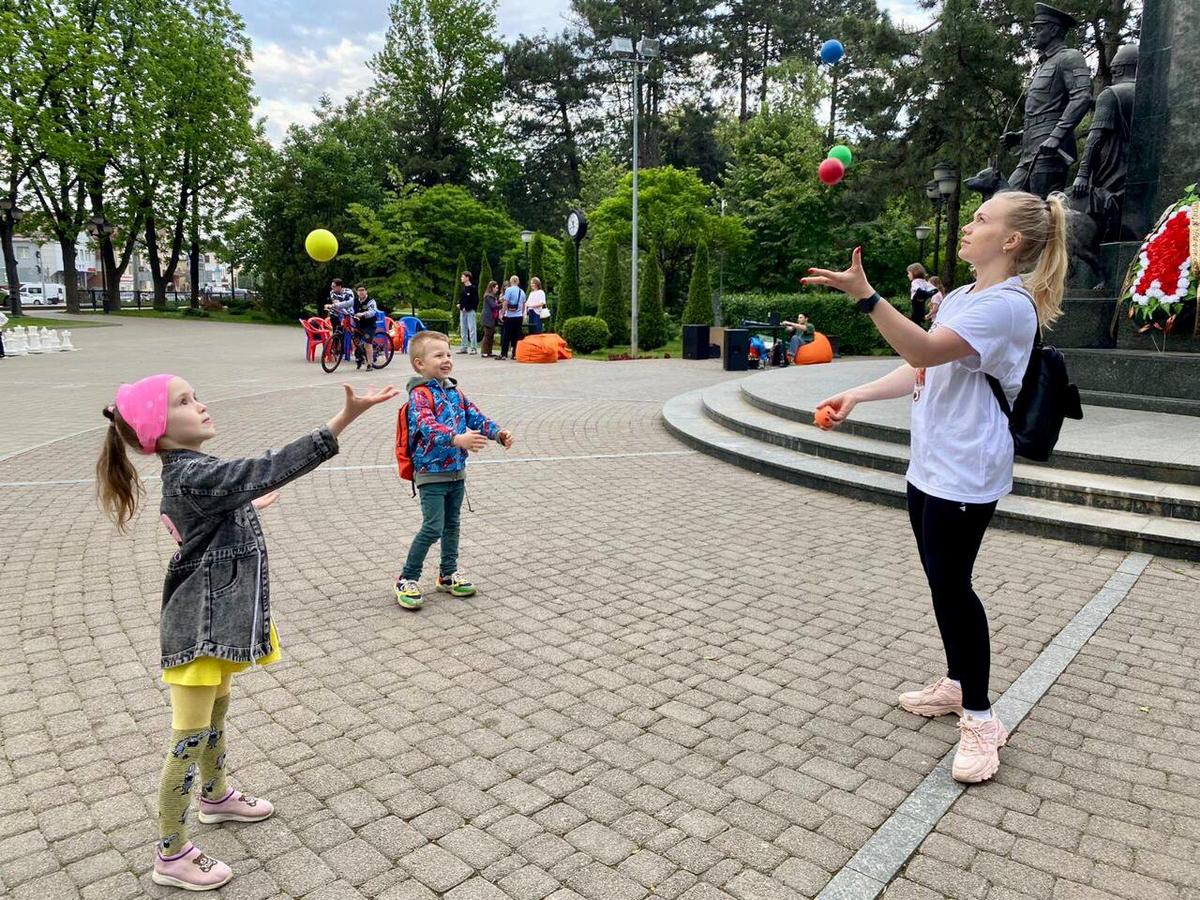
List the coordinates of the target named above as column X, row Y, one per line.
column 935, row 197
column 648, row 49
column 922, row 232
column 945, row 180
column 526, row 237
column 101, row 228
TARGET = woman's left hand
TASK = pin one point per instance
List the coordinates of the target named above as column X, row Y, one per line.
column 265, row 500
column 852, row 281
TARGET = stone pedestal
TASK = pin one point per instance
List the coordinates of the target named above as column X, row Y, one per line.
column 1163, row 156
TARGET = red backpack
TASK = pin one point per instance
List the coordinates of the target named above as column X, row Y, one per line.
column 404, row 438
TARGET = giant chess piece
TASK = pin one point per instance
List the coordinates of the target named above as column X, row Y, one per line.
column 17, row 343
column 67, row 346
column 1100, row 182
column 1059, row 95
column 35, row 340
column 50, row 341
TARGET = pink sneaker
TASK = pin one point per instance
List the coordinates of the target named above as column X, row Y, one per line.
column 191, row 870
column 941, row 698
column 978, row 755
column 236, row 807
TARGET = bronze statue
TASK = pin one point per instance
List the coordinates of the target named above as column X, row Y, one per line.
column 1058, row 97
column 1101, row 175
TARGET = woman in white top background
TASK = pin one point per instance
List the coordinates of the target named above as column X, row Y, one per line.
column 962, row 451
column 535, row 305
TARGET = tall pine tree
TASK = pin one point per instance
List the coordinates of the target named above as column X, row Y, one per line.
column 613, row 308
column 698, row 310
column 653, row 327
column 485, row 273
column 456, row 285
column 567, row 305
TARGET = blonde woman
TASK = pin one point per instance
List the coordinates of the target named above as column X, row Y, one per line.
column 535, row 306
column 962, row 451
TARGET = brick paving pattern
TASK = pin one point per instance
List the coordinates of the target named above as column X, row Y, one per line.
column 677, row 680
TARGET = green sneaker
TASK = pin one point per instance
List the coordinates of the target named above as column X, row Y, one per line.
column 408, row 594
column 456, row 585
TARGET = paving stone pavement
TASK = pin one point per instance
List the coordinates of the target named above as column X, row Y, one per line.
column 677, row 679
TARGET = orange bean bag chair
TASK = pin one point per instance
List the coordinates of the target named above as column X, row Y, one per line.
column 818, row 350
column 542, row 348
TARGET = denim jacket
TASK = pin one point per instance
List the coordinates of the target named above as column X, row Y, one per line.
column 216, row 599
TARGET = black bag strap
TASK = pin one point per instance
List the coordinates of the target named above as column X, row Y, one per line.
column 994, row 383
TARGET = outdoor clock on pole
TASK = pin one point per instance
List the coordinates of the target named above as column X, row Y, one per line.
column 577, row 225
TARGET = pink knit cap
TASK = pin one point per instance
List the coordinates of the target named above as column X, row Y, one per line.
column 143, row 405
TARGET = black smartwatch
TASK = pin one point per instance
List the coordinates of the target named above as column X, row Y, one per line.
column 868, row 303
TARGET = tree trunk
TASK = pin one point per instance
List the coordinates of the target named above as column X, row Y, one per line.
column 766, row 64
column 12, row 280
column 70, row 274
column 744, row 79
column 108, row 268
column 194, row 252
column 156, row 269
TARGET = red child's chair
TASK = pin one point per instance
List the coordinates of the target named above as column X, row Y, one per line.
column 316, row 330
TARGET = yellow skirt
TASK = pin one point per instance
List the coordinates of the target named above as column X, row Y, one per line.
column 208, row 670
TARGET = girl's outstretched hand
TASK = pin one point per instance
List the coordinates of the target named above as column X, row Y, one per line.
column 852, row 281
column 357, row 404
column 505, row 438
column 265, row 500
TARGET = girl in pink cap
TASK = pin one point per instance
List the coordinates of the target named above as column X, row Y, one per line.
column 216, row 612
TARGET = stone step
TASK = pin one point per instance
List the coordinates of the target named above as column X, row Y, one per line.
column 1149, row 445
column 726, row 404
column 685, row 417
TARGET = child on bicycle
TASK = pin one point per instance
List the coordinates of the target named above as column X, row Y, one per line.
column 445, row 427
column 217, row 618
column 361, row 309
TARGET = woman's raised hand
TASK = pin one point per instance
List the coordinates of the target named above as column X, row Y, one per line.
column 852, row 281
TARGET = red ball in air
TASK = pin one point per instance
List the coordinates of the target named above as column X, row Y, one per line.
column 831, row 171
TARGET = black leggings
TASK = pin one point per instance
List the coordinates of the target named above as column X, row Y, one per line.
column 948, row 538
column 510, row 334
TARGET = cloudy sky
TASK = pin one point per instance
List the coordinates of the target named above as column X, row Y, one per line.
column 304, row 48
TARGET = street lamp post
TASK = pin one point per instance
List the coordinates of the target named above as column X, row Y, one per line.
column 935, row 197
column 922, row 232
column 100, row 228
column 526, row 237
column 944, row 184
column 647, row 50
column 10, row 215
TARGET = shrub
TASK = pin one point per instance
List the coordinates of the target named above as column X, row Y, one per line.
column 238, row 310
column 195, row 313
column 437, row 320
column 585, row 334
column 830, row 313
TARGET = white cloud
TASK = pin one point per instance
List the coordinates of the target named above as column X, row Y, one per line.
column 290, row 80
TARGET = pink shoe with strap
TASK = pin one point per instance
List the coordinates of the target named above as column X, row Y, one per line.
column 235, row 807
column 191, row 870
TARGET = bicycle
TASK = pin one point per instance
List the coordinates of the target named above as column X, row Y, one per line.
column 378, row 354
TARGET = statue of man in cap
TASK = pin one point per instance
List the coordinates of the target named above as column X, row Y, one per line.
column 1105, row 160
column 1058, row 97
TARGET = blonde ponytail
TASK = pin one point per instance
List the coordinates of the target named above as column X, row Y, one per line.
column 1042, row 254
column 118, row 486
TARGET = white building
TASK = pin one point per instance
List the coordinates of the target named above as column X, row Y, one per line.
column 41, row 261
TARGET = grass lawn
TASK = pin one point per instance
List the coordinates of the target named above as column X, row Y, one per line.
column 67, row 322
column 673, row 348
column 251, row 317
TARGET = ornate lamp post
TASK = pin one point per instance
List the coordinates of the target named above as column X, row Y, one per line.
column 922, row 232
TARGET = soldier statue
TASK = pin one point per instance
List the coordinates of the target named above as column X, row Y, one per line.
column 1105, row 161
column 1058, row 97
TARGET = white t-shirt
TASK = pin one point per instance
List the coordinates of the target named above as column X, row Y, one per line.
column 536, row 299
column 962, row 449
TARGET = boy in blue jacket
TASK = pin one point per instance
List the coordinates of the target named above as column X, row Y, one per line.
column 445, row 427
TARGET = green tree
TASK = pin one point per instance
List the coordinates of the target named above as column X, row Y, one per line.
column 537, row 260
column 653, row 326
column 567, row 304
column 613, row 308
column 436, row 81
column 699, row 309
column 456, row 282
column 675, row 213
column 485, row 272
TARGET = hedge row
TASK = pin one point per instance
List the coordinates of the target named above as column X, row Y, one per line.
column 830, row 313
